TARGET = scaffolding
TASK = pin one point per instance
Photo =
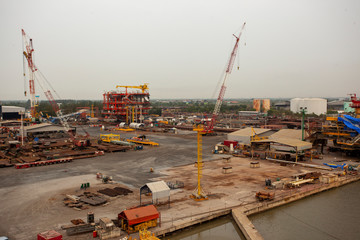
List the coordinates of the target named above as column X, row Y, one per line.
column 127, row 106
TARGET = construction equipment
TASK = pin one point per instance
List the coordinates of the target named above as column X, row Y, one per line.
column 28, row 55
column 142, row 140
column 46, row 86
column 109, row 137
column 142, row 87
column 209, row 126
column 199, row 194
column 261, row 196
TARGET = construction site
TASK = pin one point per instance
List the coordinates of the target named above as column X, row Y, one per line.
column 121, row 172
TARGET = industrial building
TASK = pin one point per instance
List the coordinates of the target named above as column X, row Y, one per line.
column 317, row 106
column 127, row 106
column 244, row 135
column 10, row 112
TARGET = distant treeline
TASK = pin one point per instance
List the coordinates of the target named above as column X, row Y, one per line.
column 67, row 106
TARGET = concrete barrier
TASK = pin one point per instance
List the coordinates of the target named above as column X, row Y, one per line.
column 245, row 225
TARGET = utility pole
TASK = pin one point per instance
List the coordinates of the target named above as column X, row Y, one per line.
column 22, row 128
column 303, row 111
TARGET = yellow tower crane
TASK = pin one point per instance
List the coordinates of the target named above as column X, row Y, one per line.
column 199, row 194
column 142, row 87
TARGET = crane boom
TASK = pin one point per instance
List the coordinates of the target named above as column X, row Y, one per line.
column 142, row 87
column 208, row 128
column 41, row 80
column 28, row 55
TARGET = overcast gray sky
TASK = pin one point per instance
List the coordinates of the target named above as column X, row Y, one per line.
column 303, row 48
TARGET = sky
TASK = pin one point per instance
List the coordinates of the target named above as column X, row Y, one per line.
column 298, row 48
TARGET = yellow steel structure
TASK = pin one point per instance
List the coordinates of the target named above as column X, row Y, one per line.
column 127, row 115
column 92, row 111
column 336, row 134
column 142, row 87
column 198, row 194
column 109, row 137
column 138, row 227
column 125, row 129
column 133, row 114
column 255, row 137
column 143, row 142
column 332, row 119
column 145, row 234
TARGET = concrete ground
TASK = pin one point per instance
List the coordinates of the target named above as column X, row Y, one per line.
column 31, row 199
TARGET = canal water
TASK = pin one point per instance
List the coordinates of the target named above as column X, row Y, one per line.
column 334, row 214
column 223, row 228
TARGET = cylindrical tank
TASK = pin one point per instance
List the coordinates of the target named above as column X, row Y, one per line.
column 256, row 104
column 136, row 125
column 266, row 105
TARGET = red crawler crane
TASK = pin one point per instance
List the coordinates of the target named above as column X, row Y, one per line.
column 28, row 55
column 209, row 126
column 44, row 84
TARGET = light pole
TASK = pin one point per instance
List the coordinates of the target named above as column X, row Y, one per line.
column 303, row 111
column 22, row 127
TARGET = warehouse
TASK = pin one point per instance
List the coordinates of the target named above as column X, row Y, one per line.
column 244, row 135
column 10, row 112
column 45, row 130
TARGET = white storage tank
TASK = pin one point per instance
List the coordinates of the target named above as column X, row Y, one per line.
column 313, row 105
column 136, row 125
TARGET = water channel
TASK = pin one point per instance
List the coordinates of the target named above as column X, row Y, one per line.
column 334, row 214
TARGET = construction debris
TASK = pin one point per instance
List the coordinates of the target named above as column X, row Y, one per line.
column 78, row 202
column 261, row 196
column 107, row 229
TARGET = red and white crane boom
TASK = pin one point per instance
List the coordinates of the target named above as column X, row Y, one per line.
column 28, row 55
column 34, row 73
column 208, row 128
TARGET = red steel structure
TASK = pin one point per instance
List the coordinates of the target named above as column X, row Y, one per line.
column 355, row 104
column 127, row 106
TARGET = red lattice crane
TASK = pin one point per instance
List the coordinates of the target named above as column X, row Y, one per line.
column 209, row 126
column 28, row 55
column 34, row 73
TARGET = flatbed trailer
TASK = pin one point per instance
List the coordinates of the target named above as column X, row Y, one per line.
column 42, row 163
column 143, row 142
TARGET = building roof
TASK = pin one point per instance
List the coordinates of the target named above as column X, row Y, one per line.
column 285, row 103
column 336, row 103
column 158, row 190
column 309, row 99
column 287, row 133
column 140, row 214
column 249, row 132
column 158, row 186
column 44, row 127
column 6, row 109
column 295, row 143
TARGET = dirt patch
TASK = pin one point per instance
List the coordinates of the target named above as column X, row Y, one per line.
column 115, row 191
